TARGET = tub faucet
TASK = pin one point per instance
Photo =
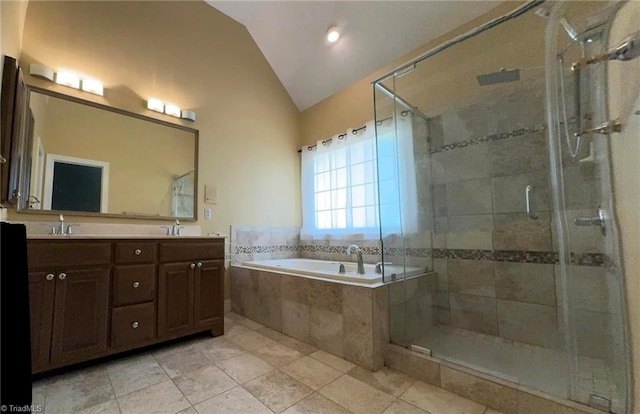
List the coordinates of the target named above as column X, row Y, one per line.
column 358, row 251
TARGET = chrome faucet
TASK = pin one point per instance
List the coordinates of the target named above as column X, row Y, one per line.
column 61, row 228
column 352, row 248
column 174, row 230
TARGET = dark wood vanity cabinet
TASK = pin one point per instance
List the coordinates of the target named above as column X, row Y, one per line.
column 94, row 298
column 190, row 278
column 69, row 301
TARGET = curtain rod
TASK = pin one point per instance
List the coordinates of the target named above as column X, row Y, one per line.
column 354, row 131
column 340, row 137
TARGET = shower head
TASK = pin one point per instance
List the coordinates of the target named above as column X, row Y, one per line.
column 502, row 76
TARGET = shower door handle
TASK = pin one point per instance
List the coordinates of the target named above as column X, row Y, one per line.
column 529, row 194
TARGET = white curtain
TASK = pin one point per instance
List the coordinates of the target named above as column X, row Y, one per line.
column 340, row 183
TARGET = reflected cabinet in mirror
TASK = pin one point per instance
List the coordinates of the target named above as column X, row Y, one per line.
column 92, row 159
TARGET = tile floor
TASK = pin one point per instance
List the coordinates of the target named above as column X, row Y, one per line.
column 251, row 369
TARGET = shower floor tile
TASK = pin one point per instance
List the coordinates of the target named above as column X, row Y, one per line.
column 536, row 367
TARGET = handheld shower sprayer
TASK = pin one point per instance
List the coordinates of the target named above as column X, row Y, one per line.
column 628, row 49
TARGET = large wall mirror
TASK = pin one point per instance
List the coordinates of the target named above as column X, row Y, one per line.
column 84, row 158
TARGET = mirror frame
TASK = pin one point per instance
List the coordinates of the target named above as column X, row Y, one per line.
column 25, row 168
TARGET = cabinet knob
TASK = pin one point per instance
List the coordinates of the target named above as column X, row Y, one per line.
column 50, row 276
column 62, row 276
column 135, row 325
column 136, row 284
column 137, row 252
column 199, row 264
column 192, row 265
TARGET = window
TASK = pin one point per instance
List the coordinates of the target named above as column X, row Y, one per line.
column 340, row 188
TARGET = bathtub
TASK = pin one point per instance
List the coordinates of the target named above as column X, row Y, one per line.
column 329, row 269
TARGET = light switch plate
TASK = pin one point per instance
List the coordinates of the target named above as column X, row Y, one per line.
column 210, row 194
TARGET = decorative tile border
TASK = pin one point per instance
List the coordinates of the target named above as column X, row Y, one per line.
column 490, row 138
column 581, row 259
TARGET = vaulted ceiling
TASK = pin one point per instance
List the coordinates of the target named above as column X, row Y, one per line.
column 292, row 37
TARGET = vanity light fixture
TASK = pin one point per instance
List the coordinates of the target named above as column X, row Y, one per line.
column 173, row 110
column 333, row 34
column 188, row 115
column 93, row 86
column 68, row 79
column 155, row 105
column 41, row 71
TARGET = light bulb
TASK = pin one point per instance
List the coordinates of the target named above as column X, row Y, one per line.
column 333, row 34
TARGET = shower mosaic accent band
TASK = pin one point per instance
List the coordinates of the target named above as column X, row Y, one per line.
column 516, row 256
column 490, row 138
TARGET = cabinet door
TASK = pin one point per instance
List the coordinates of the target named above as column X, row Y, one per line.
column 209, row 295
column 80, row 315
column 175, row 299
column 41, row 293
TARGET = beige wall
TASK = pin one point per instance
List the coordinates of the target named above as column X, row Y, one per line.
column 624, row 99
column 189, row 54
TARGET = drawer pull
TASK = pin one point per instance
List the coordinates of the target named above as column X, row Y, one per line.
column 62, row 276
column 135, row 325
column 136, row 284
column 137, row 252
column 50, row 276
column 199, row 265
column 193, row 265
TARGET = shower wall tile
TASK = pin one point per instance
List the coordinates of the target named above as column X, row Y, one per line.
column 469, row 121
column 440, row 200
column 588, row 289
column 440, row 267
column 529, row 323
column 581, row 187
column 467, row 163
column 295, row 289
column 325, row 295
column 516, row 231
column 526, row 282
column 441, row 231
column 521, row 106
column 412, row 364
column 582, row 239
column 436, row 132
column 471, row 277
column 593, row 333
column 470, row 232
column 475, row 313
column 518, row 155
column 469, row 197
column 438, row 175
column 508, row 192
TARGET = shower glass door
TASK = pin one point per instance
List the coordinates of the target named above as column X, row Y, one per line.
column 501, row 300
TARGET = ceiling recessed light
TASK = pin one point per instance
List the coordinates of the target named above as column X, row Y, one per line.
column 333, row 34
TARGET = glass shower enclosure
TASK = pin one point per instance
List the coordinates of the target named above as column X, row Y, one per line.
column 510, row 209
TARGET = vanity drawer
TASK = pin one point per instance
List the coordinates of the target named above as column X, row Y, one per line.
column 60, row 254
column 134, row 284
column 135, row 252
column 185, row 251
column 133, row 324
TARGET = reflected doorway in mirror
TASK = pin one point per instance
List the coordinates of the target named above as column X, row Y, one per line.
column 76, row 184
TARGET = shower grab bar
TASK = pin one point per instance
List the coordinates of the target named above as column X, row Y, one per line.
column 529, row 194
